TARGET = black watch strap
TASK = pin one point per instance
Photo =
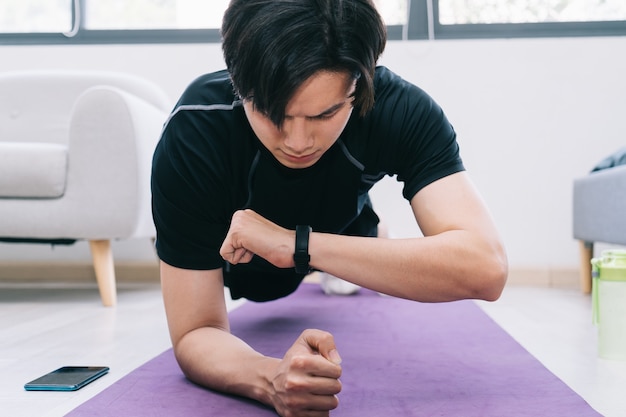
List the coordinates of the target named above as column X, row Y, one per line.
column 301, row 255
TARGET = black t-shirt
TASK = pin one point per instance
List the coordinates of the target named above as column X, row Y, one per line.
column 209, row 163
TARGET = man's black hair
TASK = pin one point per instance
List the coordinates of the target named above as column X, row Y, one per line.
column 272, row 46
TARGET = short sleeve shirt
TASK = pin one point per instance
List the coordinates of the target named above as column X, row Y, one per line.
column 209, row 164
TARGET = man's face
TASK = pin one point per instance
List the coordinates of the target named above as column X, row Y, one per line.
column 314, row 118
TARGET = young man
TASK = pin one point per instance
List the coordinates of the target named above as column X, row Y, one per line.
column 262, row 174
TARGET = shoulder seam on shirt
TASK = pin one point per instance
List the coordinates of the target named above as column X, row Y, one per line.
column 191, row 107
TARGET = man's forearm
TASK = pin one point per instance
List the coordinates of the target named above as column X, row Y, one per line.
column 218, row 360
column 449, row 266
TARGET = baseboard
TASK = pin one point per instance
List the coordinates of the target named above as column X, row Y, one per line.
column 82, row 272
column 565, row 278
column 75, row 272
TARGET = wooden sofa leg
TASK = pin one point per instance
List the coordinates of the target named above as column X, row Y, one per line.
column 105, row 272
column 586, row 253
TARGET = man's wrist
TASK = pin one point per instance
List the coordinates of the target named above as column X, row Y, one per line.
column 301, row 255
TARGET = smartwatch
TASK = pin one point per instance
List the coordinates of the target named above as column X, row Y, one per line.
column 301, row 255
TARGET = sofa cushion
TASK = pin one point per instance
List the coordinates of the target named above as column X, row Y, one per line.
column 615, row 159
column 32, row 170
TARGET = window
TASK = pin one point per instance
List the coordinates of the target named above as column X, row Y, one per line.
column 528, row 18
column 35, row 16
column 153, row 14
column 528, row 11
column 187, row 14
column 167, row 21
column 393, row 12
column 129, row 21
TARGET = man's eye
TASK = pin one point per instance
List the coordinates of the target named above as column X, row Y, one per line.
column 324, row 116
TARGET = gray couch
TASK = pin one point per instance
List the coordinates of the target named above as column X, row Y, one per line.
column 599, row 210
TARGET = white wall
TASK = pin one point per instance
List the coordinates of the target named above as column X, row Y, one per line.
column 531, row 115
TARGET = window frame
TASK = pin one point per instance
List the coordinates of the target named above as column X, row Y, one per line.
column 423, row 23
column 524, row 30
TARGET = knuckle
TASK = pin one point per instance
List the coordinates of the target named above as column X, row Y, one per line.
column 293, row 385
column 318, row 334
column 299, row 362
column 326, row 336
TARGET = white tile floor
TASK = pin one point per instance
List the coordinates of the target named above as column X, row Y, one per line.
column 42, row 328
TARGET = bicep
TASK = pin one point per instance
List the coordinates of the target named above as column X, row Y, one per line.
column 193, row 299
column 451, row 203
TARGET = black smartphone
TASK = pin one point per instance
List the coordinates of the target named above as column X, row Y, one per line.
column 67, row 378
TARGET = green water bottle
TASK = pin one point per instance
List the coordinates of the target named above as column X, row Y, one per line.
column 609, row 303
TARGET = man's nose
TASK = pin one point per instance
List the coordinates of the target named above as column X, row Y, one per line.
column 297, row 134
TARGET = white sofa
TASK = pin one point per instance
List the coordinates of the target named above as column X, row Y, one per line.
column 75, row 158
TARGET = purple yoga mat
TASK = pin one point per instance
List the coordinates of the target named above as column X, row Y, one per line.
column 400, row 358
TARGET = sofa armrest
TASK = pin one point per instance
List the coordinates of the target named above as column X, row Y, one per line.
column 111, row 141
column 599, row 206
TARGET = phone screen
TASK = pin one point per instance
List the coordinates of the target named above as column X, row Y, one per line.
column 67, row 378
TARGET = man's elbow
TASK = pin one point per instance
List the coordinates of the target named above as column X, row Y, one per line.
column 493, row 279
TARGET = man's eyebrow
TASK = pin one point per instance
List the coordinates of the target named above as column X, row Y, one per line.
column 330, row 110
column 326, row 112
